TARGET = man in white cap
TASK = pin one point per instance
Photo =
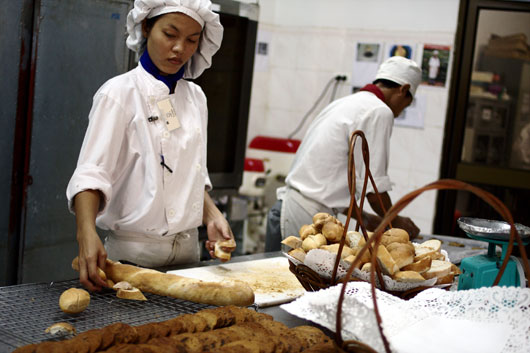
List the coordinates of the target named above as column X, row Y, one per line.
column 434, row 67
column 318, row 178
column 142, row 169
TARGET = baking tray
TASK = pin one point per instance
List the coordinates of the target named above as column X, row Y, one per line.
column 27, row 310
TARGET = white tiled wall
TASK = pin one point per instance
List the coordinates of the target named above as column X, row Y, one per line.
column 303, row 58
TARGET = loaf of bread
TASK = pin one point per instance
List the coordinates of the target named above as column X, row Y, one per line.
column 223, row 329
column 151, row 281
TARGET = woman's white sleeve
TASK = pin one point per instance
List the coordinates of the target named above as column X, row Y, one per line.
column 100, row 150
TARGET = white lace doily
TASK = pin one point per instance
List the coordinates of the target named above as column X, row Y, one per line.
column 489, row 310
column 323, row 261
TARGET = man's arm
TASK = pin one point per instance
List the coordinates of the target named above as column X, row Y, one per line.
column 398, row 222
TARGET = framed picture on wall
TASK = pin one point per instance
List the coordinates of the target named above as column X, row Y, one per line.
column 434, row 64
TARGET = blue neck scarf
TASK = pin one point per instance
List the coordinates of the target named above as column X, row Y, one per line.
column 169, row 80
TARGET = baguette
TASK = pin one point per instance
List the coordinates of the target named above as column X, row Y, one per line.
column 151, row 281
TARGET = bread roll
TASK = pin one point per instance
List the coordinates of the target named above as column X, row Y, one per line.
column 354, row 239
column 313, row 242
column 320, row 218
column 131, row 294
column 292, row 242
column 395, row 235
column 332, row 231
column 306, row 230
column 408, row 277
column 447, row 279
column 422, row 252
column 387, row 263
column 219, row 251
column 151, row 281
column 434, row 244
column 438, row 269
column 350, row 259
column 403, row 254
column 367, row 267
column 419, row 266
column 61, row 328
column 334, row 248
column 298, row 254
column 74, row 300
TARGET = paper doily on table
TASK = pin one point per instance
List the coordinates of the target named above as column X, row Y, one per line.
column 323, row 261
column 495, row 319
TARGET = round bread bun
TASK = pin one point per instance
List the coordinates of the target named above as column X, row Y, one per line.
column 74, row 300
column 395, row 235
column 306, row 230
column 332, row 231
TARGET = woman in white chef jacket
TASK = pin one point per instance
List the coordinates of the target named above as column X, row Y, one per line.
column 142, row 170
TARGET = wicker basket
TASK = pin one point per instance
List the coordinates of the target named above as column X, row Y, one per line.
column 312, row 281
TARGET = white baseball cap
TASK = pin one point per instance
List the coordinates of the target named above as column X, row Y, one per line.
column 401, row 71
column 199, row 10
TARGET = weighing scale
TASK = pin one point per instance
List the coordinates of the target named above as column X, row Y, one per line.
column 481, row 271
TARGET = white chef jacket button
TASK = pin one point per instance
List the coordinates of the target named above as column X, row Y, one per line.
column 196, row 206
column 166, row 134
column 198, row 166
column 198, row 130
column 171, row 212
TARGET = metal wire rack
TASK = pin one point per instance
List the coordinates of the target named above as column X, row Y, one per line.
column 27, row 310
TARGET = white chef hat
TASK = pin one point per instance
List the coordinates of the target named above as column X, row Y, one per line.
column 400, row 70
column 199, row 10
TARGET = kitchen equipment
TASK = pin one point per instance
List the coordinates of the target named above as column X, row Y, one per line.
column 481, row 270
column 27, row 310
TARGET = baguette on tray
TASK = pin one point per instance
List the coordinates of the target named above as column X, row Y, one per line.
column 231, row 292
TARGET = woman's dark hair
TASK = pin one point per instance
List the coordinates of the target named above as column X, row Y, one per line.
column 150, row 22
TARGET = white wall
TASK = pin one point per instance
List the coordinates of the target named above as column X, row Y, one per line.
column 312, row 40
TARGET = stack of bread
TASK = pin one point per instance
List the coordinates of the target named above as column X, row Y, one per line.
column 222, row 329
column 397, row 256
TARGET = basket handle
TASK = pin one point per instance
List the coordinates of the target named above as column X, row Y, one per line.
column 353, row 203
column 444, row 184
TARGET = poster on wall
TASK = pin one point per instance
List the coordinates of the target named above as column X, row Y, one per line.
column 405, row 50
column 366, row 63
column 261, row 59
column 434, row 64
column 413, row 115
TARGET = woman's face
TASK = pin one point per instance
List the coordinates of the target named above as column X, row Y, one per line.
column 172, row 41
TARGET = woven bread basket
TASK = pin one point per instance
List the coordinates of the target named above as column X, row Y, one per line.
column 312, row 281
